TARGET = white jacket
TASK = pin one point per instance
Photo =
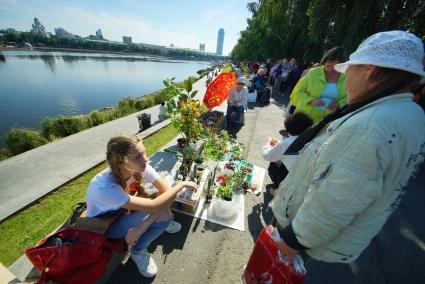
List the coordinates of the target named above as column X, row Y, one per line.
column 275, row 153
column 351, row 177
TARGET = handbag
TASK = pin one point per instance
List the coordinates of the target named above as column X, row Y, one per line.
column 79, row 220
column 73, row 256
column 266, row 265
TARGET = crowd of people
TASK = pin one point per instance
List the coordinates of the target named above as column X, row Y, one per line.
column 350, row 153
column 337, row 182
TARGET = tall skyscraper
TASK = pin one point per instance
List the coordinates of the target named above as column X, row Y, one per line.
column 99, row 34
column 220, row 41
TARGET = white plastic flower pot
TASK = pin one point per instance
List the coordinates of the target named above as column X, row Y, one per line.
column 225, row 209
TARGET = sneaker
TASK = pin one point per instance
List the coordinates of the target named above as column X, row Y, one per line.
column 173, row 227
column 145, row 263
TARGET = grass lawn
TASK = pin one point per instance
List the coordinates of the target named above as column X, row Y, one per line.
column 29, row 226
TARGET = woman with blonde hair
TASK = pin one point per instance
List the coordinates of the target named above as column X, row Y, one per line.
column 354, row 165
column 140, row 220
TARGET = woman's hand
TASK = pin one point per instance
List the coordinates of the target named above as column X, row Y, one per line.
column 134, row 234
column 287, row 251
column 190, row 184
column 317, row 102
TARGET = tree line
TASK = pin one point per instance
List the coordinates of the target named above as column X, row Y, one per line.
column 304, row 29
column 81, row 43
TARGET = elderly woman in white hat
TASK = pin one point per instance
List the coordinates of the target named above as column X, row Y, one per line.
column 237, row 101
column 354, row 166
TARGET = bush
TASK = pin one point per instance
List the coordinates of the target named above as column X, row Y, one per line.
column 141, row 104
column 4, row 154
column 19, row 140
column 97, row 118
column 110, row 115
column 126, row 106
column 63, row 126
column 158, row 98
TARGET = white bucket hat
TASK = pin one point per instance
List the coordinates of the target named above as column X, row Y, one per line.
column 394, row 49
column 241, row 80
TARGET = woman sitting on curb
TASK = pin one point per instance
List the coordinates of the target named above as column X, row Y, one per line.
column 237, row 101
column 148, row 218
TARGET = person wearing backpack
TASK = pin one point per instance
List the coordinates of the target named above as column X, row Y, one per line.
column 141, row 220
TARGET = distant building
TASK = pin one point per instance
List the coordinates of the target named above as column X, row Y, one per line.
column 220, row 41
column 99, row 34
column 127, row 40
column 38, row 28
column 62, row 33
column 202, row 47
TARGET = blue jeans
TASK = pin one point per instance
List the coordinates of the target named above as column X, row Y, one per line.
column 238, row 110
column 120, row 227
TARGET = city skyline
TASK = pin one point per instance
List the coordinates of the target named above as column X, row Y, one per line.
column 154, row 23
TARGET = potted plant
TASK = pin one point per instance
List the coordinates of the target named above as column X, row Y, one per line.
column 185, row 115
column 189, row 154
column 215, row 144
column 223, row 205
column 181, row 142
column 237, row 180
column 225, row 192
column 199, row 160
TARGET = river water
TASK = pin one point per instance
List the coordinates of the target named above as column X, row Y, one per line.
column 35, row 84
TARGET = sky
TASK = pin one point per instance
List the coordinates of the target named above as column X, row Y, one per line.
column 184, row 23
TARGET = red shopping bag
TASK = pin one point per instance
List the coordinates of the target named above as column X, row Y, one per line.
column 266, row 266
column 73, row 256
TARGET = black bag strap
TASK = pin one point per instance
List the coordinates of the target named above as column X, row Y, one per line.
column 77, row 210
column 312, row 131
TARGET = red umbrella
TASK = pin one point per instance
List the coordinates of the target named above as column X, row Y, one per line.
column 218, row 90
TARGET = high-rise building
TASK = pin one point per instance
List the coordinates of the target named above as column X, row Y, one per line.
column 127, row 40
column 220, row 41
column 38, row 28
column 99, row 34
column 61, row 33
column 202, row 47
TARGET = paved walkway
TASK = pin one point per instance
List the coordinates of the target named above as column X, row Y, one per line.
column 27, row 177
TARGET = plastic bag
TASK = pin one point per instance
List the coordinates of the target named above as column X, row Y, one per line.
column 267, row 265
column 225, row 209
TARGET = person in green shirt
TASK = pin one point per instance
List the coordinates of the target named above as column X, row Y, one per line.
column 322, row 90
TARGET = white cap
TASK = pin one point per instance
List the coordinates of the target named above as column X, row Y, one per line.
column 394, row 49
column 241, row 80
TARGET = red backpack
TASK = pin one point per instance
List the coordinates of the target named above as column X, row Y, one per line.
column 73, row 256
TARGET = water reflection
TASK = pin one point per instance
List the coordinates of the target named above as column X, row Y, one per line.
column 2, row 58
column 101, row 58
column 70, row 60
column 50, row 62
